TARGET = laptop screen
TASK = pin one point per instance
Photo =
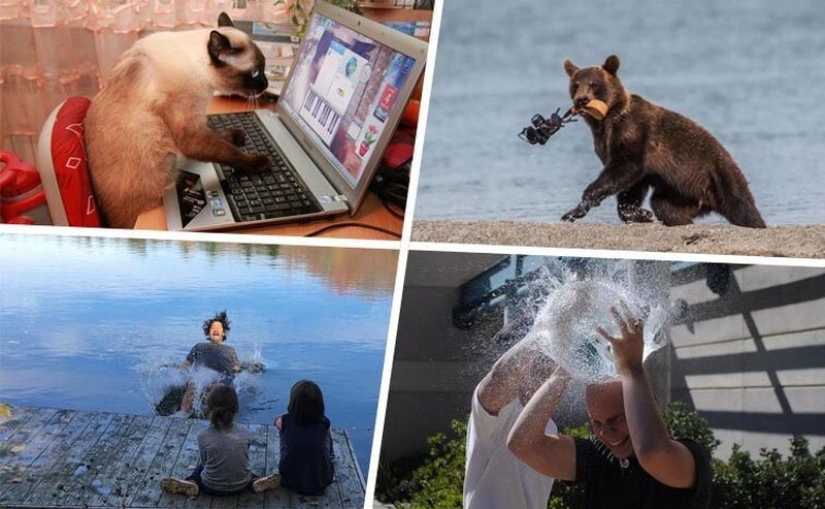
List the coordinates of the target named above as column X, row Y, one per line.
column 342, row 91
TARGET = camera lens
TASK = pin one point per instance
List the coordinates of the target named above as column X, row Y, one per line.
column 541, row 135
column 537, row 120
column 528, row 134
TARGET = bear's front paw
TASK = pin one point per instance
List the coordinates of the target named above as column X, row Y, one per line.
column 576, row 213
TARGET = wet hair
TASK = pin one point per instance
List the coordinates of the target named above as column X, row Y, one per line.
column 219, row 317
column 306, row 402
column 221, row 406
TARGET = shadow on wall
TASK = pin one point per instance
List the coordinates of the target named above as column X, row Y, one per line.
column 749, row 353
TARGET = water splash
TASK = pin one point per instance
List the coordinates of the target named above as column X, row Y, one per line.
column 161, row 376
column 565, row 323
column 158, row 376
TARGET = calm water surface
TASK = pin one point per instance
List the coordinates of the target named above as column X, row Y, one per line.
column 88, row 323
column 750, row 72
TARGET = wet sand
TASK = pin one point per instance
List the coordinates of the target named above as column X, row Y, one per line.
column 804, row 241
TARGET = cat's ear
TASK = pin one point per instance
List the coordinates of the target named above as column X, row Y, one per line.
column 218, row 45
column 224, row 20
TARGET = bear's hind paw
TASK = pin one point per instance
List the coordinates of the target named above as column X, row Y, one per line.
column 636, row 215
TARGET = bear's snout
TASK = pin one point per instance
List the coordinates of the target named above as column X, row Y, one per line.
column 581, row 102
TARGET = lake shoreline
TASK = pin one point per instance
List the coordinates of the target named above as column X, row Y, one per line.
column 787, row 241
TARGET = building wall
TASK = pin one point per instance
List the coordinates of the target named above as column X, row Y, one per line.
column 431, row 375
column 752, row 361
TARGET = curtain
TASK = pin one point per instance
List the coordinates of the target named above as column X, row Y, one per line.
column 54, row 49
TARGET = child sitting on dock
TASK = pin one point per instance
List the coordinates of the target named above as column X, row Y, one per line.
column 306, row 442
column 223, row 468
column 212, row 354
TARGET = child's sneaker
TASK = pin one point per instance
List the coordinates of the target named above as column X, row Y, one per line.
column 175, row 486
column 266, row 483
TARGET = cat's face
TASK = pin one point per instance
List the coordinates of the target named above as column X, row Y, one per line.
column 237, row 62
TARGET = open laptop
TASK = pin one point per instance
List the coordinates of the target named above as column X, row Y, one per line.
column 344, row 96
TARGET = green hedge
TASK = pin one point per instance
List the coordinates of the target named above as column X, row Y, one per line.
column 769, row 481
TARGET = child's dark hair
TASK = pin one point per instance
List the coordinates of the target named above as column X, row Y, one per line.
column 221, row 406
column 219, row 317
column 306, row 402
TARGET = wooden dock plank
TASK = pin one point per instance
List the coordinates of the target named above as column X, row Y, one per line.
column 349, row 481
column 47, row 492
column 93, row 460
column 9, row 425
column 148, row 493
column 137, row 468
column 96, row 458
column 32, row 438
column 16, row 444
column 111, row 481
column 17, row 453
column 43, row 469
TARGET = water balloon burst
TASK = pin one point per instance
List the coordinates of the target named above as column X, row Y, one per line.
column 565, row 325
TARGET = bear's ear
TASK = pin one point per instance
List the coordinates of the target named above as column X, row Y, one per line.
column 611, row 65
column 569, row 67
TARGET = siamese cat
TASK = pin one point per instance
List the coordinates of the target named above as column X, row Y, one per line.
column 153, row 108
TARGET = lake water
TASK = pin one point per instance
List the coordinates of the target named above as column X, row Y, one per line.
column 87, row 323
column 750, row 72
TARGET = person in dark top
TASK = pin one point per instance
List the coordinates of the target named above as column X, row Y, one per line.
column 631, row 462
column 212, row 354
column 306, row 465
column 223, row 466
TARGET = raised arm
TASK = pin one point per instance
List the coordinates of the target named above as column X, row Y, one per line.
column 501, row 384
column 667, row 460
column 550, row 455
column 513, row 373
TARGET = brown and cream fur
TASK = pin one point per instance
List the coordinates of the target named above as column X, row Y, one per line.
column 153, row 108
column 644, row 146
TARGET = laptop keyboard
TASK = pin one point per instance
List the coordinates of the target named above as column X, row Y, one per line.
column 267, row 195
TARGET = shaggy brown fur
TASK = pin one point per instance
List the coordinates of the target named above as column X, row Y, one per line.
column 153, row 109
column 644, row 146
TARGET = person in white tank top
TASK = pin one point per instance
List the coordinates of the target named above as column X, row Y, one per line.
column 494, row 478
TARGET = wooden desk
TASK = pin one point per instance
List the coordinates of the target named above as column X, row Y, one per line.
column 372, row 213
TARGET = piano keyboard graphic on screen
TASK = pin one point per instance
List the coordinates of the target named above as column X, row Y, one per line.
column 320, row 116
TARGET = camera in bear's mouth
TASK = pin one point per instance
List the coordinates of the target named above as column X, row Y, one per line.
column 541, row 129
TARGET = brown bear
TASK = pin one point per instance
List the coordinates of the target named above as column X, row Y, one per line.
column 644, row 146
